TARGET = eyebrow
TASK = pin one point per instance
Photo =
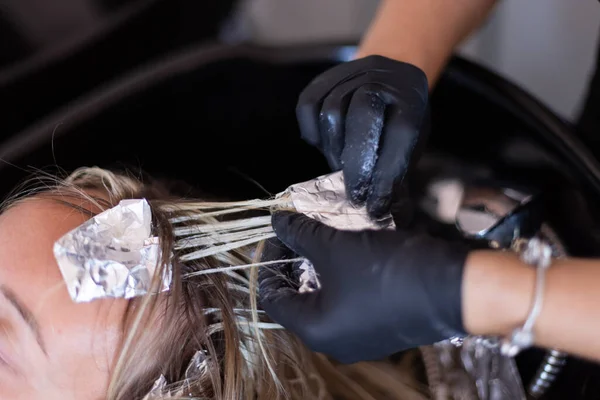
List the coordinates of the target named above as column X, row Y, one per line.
column 26, row 314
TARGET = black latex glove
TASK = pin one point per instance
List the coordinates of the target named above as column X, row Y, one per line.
column 381, row 291
column 368, row 117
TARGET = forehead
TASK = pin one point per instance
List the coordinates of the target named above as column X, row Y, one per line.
column 48, row 216
column 39, row 221
column 78, row 336
column 28, row 231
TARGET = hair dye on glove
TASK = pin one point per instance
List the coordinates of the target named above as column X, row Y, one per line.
column 378, row 291
column 325, row 199
column 369, row 118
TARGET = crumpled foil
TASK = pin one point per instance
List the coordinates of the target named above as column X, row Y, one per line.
column 475, row 370
column 325, row 200
column 196, row 368
column 111, row 255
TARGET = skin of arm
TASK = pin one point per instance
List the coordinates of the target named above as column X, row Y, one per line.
column 498, row 290
column 422, row 32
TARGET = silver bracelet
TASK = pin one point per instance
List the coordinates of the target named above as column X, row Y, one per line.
column 539, row 253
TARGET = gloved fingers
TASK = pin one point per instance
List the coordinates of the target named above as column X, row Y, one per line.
column 311, row 100
column 297, row 312
column 307, row 113
column 277, row 276
column 400, row 137
column 332, row 121
column 278, row 291
column 364, row 125
column 274, row 250
column 320, row 87
column 403, row 206
column 306, row 236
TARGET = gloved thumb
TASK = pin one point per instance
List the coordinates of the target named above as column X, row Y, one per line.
column 304, row 235
column 278, row 291
column 297, row 312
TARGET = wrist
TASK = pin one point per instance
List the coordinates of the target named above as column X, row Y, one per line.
column 497, row 292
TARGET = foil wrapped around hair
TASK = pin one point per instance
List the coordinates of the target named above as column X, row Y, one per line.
column 325, row 199
column 112, row 255
column 195, row 369
column 473, row 369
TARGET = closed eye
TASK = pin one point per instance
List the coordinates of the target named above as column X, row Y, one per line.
column 25, row 314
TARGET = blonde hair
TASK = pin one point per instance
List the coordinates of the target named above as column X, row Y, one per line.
column 217, row 313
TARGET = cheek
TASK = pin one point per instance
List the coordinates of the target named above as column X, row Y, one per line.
column 85, row 340
column 27, row 278
column 86, row 330
column 39, row 389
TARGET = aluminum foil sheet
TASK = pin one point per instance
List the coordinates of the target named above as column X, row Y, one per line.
column 196, row 368
column 325, row 200
column 475, row 370
column 111, row 255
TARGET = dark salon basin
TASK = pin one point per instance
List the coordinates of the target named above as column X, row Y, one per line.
column 222, row 118
column 198, row 117
column 212, row 110
column 51, row 52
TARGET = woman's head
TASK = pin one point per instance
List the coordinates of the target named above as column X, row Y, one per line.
column 48, row 344
column 118, row 348
column 52, row 347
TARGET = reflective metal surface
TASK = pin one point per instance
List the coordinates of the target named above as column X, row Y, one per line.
column 483, row 207
column 112, row 255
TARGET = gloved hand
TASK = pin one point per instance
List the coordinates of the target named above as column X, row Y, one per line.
column 368, row 117
column 381, row 291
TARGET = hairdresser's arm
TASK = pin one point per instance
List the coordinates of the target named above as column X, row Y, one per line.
column 498, row 290
column 387, row 291
column 422, row 32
